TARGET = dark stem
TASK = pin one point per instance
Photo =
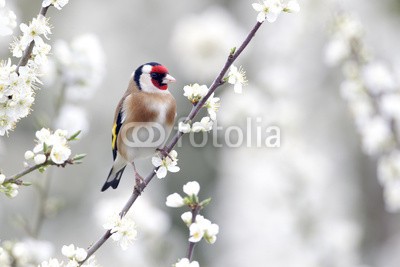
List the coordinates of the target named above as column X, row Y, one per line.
column 15, row 177
column 216, row 83
column 195, row 211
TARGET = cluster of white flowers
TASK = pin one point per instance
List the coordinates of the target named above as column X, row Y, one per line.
column 200, row 227
column 168, row 164
column 8, row 20
column 9, row 189
column 270, row 9
column 24, row 253
column 50, row 145
column 75, row 255
column 195, row 93
column 373, row 95
column 17, row 84
column 59, row 4
column 123, row 229
column 186, row 263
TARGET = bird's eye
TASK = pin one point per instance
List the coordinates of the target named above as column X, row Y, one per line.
column 155, row 75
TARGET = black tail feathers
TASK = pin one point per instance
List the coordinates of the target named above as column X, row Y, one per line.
column 113, row 179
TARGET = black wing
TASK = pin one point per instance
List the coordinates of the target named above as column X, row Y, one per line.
column 115, row 130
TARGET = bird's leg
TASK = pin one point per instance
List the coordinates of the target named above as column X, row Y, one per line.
column 163, row 152
column 139, row 181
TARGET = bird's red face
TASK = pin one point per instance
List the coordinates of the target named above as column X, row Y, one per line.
column 153, row 77
column 160, row 77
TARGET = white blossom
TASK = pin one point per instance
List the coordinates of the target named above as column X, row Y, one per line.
column 203, row 227
column 56, row 142
column 68, row 251
column 292, row 7
column 74, row 253
column 389, row 168
column 187, row 218
column 210, row 234
column 336, row 51
column 51, row 263
column 2, row 178
column 169, row 163
column 376, row 135
column 174, row 201
column 186, row 263
column 196, row 232
column 8, row 20
column 378, row 78
column 390, row 105
column 212, row 105
column 37, row 27
column 204, row 125
column 60, row 153
column 191, row 188
column 5, row 258
column 391, row 194
column 184, row 127
column 268, row 9
column 17, row 89
column 195, row 92
column 123, row 230
column 29, row 155
column 237, row 77
column 59, row 4
column 11, row 190
column 39, row 159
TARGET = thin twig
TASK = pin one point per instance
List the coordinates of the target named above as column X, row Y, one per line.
column 195, row 211
column 15, row 177
column 216, row 83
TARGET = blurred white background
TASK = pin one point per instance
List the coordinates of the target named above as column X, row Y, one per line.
column 315, row 201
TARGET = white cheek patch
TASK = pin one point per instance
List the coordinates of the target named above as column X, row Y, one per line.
column 146, row 69
column 146, row 84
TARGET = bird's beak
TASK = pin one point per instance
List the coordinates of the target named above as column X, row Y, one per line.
column 169, row 79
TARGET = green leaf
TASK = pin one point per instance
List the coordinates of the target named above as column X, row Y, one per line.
column 74, row 136
column 205, row 202
column 45, row 148
column 233, row 50
column 78, row 157
column 26, row 183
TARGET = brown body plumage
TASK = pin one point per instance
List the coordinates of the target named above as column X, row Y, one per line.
column 146, row 103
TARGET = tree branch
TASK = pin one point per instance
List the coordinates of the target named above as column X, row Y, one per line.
column 15, row 177
column 195, row 110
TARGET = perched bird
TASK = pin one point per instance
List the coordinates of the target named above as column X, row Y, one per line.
column 143, row 119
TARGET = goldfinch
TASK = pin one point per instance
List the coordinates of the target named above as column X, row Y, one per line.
column 143, row 119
